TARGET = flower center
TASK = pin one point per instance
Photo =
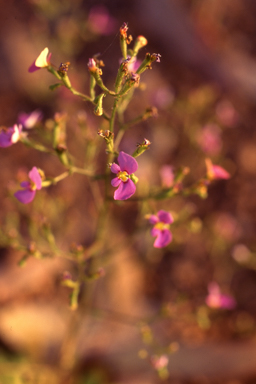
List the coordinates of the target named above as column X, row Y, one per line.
column 123, row 175
column 33, row 186
column 161, row 226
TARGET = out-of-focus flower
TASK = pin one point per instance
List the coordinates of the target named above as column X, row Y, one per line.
column 215, row 172
column 167, row 175
column 226, row 113
column 133, row 64
column 100, row 21
column 163, row 97
column 9, row 136
column 209, row 139
column 227, row 227
column 159, row 362
column 42, row 61
column 161, row 229
column 29, row 120
column 216, row 299
column 26, row 195
column 127, row 166
column 241, row 253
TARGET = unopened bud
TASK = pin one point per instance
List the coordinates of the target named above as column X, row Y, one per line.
column 140, row 42
column 141, row 148
column 92, row 65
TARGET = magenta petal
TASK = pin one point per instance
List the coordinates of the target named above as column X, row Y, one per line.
column 33, row 67
column 25, row 184
column 227, row 302
column 5, row 139
column 25, row 196
column 115, row 182
column 125, row 190
column 115, row 168
column 35, row 177
column 155, row 232
column 163, row 239
column 153, row 219
column 165, row 217
column 127, row 163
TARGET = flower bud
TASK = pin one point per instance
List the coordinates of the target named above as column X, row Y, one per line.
column 140, row 42
column 141, row 148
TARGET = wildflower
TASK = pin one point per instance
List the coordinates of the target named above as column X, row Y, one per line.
column 42, row 61
column 161, row 231
column 167, row 175
column 216, row 299
column 100, row 21
column 26, row 195
column 215, row 172
column 29, row 120
column 159, row 362
column 209, row 139
column 127, row 166
column 9, row 136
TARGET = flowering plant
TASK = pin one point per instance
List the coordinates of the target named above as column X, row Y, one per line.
column 154, row 192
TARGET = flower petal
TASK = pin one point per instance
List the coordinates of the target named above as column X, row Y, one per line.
column 220, row 173
column 125, row 190
column 42, row 60
column 127, row 163
column 25, row 196
column 163, row 239
column 33, row 67
column 155, row 232
column 165, row 217
column 16, row 133
column 35, row 177
column 115, row 182
column 25, row 184
column 115, row 168
column 5, row 139
column 28, row 120
column 153, row 219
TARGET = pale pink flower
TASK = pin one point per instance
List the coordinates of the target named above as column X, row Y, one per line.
column 215, row 172
column 209, row 139
column 216, row 299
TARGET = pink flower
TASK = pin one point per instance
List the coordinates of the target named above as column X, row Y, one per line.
column 159, row 362
column 209, row 139
column 43, row 61
column 9, row 136
column 167, row 175
column 100, row 21
column 28, row 120
column 216, row 299
column 161, row 231
column 26, row 195
column 226, row 113
column 127, row 166
column 215, row 172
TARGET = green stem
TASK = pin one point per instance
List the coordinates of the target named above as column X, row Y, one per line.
column 113, row 115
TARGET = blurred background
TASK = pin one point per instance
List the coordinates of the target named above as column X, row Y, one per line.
column 173, row 302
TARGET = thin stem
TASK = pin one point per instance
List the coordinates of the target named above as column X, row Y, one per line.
column 118, row 139
column 113, row 115
column 81, row 171
column 61, row 176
